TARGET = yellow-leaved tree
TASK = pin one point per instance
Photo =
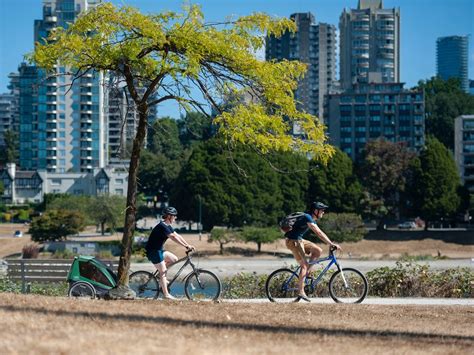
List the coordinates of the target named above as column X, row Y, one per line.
column 173, row 56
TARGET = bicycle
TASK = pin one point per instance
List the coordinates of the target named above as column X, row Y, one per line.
column 346, row 285
column 199, row 284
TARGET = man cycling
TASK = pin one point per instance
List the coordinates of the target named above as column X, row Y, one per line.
column 300, row 247
column 154, row 248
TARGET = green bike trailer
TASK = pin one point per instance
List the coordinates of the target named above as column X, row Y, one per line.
column 89, row 277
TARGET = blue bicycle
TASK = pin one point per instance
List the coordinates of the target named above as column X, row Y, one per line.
column 346, row 285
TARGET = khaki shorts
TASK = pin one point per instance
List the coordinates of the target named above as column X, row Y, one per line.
column 300, row 248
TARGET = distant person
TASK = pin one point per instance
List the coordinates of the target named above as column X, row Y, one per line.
column 300, row 247
column 154, row 247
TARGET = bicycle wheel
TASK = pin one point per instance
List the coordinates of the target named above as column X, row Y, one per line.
column 356, row 288
column 202, row 285
column 144, row 284
column 81, row 289
column 282, row 286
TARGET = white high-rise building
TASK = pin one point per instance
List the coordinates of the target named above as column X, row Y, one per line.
column 62, row 122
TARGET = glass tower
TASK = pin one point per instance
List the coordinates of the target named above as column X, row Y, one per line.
column 451, row 59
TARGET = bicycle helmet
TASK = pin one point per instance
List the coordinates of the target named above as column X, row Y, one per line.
column 318, row 206
column 170, row 211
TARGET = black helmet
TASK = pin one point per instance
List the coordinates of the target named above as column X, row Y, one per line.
column 318, row 206
column 170, row 211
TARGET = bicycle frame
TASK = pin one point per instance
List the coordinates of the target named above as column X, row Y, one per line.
column 156, row 274
column 332, row 260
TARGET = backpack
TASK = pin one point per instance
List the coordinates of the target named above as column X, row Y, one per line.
column 286, row 224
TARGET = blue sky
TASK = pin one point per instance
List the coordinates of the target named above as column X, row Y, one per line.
column 422, row 22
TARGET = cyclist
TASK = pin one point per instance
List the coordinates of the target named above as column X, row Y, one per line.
column 300, row 247
column 154, row 248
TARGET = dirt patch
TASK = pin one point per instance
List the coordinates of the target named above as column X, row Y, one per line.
column 61, row 325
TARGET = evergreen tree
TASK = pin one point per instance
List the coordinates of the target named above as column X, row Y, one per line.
column 335, row 184
column 438, row 182
column 444, row 101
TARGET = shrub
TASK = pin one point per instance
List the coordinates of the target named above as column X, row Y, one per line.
column 53, row 289
column 56, row 225
column 244, row 285
column 343, row 227
column 30, row 251
column 63, row 254
column 414, row 280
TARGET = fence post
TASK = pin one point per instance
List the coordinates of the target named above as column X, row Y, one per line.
column 23, row 277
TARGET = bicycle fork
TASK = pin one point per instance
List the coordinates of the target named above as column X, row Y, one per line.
column 343, row 277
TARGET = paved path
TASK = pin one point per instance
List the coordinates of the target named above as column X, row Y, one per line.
column 228, row 267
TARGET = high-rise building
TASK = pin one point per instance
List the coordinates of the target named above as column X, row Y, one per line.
column 452, row 59
column 370, row 111
column 315, row 45
column 62, row 121
column 369, row 44
column 464, row 149
column 6, row 115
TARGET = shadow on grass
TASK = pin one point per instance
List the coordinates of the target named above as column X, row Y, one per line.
column 264, row 328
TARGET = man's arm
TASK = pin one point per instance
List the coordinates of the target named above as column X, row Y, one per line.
column 321, row 235
column 180, row 240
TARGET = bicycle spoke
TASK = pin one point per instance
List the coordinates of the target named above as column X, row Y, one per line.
column 348, row 286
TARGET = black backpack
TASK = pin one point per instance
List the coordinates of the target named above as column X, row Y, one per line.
column 286, row 224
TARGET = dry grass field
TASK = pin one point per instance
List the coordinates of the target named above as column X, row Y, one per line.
column 51, row 325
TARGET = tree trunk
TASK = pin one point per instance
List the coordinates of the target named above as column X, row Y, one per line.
column 102, row 228
column 130, row 212
column 259, row 247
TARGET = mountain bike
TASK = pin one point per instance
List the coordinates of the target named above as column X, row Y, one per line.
column 199, row 284
column 346, row 285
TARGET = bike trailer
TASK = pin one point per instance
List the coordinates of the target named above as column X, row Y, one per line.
column 91, row 272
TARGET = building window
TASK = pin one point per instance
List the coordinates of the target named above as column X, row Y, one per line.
column 119, row 191
column 56, row 182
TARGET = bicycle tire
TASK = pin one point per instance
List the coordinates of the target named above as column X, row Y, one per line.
column 202, row 285
column 358, row 286
column 82, row 289
column 282, row 286
column 144, row 284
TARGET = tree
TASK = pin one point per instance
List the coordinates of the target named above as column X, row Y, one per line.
column 383, row 175
column 165, row 56
column 335, row 183
column 56, row 225
column 194, row 127
column 292, row 171
column 260, row 235
column 223, row 236
column 107, row 210
column 162, row 162
column 444, row 101
column 438, row 182
column 236, row 189
column 343, row 227
column 10, row 152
